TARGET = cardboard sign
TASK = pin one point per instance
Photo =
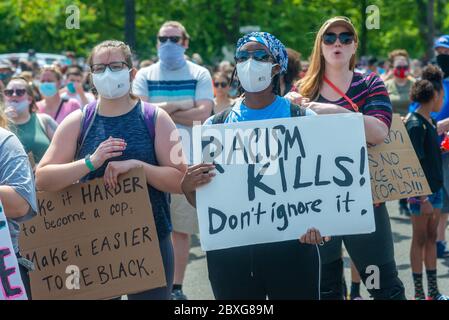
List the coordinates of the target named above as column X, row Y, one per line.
column 277, row 178
column 11, row 285
column 89, row 242
column 394, row 167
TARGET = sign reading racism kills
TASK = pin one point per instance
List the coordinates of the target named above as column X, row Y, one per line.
column 90, row 242
column 395, row 169
column 277, row 178
column 11, row 285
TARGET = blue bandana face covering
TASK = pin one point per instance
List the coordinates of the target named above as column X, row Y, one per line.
column 171, row 55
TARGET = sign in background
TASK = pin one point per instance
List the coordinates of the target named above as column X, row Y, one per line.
column 395, row 169
column 11, row 285
column 277, row 178
column 90, row 242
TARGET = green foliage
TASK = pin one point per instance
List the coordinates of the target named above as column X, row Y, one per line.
column 41, row 24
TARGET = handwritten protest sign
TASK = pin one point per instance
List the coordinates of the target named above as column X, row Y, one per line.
column 11, row 285
column 395, row 169
column 89, row 242
column 277, row 178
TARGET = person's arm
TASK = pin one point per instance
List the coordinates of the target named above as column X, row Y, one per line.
column 57, row 170
column 174, row 106
column 168, row 174
column 202, row 111
column 195, row 177
column 375, row 130
column 443, row 126
column 15, row 206
column 80, row 91
column 17, row 190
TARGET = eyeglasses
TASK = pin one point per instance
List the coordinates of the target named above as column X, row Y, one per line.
column 10, row 92
column 344, row 37
column 174, row 39
column 258, row 55
column 115, row 66
column 402, row 67
column 220, row 84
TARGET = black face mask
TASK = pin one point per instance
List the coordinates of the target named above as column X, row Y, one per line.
column 443, row 62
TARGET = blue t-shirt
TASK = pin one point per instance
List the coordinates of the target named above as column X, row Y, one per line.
column 15, row 172
column 280, row 108
column 444, row 112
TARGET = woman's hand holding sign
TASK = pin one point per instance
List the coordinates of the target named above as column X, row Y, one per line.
column 106, row 150
column 196, row 176
column 313, row 236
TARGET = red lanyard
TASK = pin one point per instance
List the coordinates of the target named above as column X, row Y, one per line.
column 333, row 86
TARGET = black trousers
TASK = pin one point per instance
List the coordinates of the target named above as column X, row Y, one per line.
column 369, row 252
column 285, row 270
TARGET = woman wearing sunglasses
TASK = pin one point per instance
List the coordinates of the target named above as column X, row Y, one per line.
column 222, row 99
column 282, row 270
column 333, row 87
column 17, row 192
column 113, row 136
column 34, row 130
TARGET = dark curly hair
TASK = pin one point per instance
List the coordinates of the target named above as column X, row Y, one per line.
column 423, row 90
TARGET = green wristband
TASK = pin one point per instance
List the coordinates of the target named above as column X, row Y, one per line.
column 88, row 163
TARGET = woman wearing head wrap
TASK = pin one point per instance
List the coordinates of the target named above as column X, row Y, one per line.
column 283, row 270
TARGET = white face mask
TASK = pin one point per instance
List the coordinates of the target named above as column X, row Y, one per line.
column 254, row 76
column 112, row 85
column 19, row 107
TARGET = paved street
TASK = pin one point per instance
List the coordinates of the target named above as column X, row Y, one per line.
column 197, row 286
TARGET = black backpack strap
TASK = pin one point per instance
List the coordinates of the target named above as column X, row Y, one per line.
column 223, row 115
column 297, row 111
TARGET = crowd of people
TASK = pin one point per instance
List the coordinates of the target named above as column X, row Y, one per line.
column 69, row 123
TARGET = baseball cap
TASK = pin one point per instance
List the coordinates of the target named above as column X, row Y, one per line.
column 442, row 41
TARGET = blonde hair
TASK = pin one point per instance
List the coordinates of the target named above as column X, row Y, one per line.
column 177, row 25
column 53, row 69
column 3, row 119
column 310, row 85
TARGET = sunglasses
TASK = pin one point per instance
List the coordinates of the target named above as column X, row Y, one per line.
column 10, row 92
column 258, row 55
column 344, row 37
column 220, row 84
column 174, row 39
column 401, row 68
column 115, row 66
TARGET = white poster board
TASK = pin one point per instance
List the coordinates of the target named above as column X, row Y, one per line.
column 316, row 176
column 11, row 286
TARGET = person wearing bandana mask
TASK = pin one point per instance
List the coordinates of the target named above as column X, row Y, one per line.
column 399, row 85
column 282, row 270
column 184, row 90
column 398, row 88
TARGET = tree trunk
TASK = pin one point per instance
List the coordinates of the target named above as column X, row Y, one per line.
column 430, row 29
column 364, row 33
column 130, row 23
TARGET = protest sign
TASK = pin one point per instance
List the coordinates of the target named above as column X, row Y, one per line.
column 11, row 285
column 277, row 178
column 394, row 167
column 91, row 242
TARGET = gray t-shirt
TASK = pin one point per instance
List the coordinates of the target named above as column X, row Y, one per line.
column 191, row 82
column 15, row 172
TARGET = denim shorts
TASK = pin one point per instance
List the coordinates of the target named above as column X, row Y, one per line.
column 436, row 199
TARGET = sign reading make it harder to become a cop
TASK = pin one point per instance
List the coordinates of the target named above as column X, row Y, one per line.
column 277, row 178
column 11, row 285
column 90, row 242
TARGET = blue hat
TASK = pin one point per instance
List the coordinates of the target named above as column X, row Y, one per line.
column 276, row 48
column 442, row 41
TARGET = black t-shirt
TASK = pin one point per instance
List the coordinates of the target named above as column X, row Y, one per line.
column 424, row 137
